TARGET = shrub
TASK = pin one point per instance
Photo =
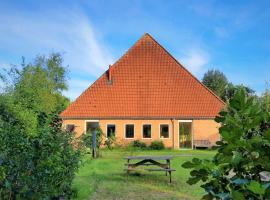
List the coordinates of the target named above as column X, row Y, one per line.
column 243, row 155
column 139, row 144
column 87, row 138
column 110, row 142
column 157, row 145
column 36, row 166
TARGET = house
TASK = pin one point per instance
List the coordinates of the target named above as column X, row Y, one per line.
column 148, row 95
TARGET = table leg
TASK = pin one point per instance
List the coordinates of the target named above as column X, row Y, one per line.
column 128, row 166
column 168, row 166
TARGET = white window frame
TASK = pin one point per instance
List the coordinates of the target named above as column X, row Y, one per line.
column 192, row 136
column 90, row 120
column 125, row 131
column 107, row 128
column 168, row 130
column 151, row 131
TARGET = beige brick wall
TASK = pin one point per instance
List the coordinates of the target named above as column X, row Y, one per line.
column 202, row 130
column 206, row 130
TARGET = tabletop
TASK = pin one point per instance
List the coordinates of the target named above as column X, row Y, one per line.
column 149, row 157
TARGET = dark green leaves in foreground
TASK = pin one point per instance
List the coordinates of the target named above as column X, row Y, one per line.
column 36, row 167
column 240, row 169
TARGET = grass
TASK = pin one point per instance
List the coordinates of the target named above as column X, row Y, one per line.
column 104, row 178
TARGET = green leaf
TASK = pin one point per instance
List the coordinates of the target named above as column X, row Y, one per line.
column 236, row 195
column 195, row 162
column 240, row 181
column 256, row 187
column 237, row 157
column 255, row 154
column 193, row 180
column 188, row 165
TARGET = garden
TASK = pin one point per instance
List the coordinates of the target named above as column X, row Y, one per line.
column 105, row 178
column 39, row 159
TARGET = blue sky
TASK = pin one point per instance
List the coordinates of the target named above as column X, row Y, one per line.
column 232, row 36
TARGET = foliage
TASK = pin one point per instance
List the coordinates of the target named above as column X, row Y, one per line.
column 265, row 99
column 216, row 81
column 157, row 145
column 87, row 138
column 37, row 86
column 110, row 142
column 35, row 166
column 139, row 144
column 243, row 155
column 38, row 160
column 231, row 89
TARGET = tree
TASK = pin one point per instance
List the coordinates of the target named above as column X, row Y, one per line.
column 239, row 168
column 265, row 100
column 36, row 166
column 38, row 160
column 231, row 89
column 216, row 81
column 37, row 86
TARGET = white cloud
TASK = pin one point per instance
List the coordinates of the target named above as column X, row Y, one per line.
column 195, row 60
column 68, row 31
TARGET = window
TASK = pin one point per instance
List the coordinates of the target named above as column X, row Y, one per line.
column 70, row 127
column 147, row 131
column 185, row 134
column 164, row 131
column 110, row 130
column 91, row 126
column 129, row 130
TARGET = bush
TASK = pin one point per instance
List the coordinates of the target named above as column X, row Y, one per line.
column 139, row 144
column 110, row 142
column 87, row 138
column 157, row 145
column 240, row 168
column 36, row 166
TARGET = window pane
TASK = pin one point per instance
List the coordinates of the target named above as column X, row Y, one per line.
column 129, row 131
column 70, row 127
column 185, row 136
column 164, row 131
column 147, row 131
column 110, row 130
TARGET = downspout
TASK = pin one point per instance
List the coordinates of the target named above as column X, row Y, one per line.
column 172, row 120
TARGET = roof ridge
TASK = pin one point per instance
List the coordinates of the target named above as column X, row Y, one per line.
column 146, row 38
column 130, row 48
column 185, row 68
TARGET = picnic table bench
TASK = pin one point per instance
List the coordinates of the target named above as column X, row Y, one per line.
column 150, row 161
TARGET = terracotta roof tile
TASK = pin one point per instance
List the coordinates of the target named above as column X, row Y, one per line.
column 146, row 82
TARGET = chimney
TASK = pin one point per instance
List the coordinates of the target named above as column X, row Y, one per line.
column 110, row 74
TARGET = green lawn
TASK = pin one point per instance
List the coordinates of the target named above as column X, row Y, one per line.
column 104, row 178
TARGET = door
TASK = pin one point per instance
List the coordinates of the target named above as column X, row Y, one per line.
column 185, row 134
column 91, row 126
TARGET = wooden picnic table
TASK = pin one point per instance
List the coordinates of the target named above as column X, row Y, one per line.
column 150, row 161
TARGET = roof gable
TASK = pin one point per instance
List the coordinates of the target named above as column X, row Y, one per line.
column 146, row 82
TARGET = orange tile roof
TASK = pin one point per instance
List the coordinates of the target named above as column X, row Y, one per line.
column 147, row 82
